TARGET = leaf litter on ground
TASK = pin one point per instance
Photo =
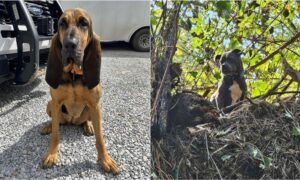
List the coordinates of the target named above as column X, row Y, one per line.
column 257, row 140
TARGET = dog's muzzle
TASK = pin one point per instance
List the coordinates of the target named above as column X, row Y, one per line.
column 71, row 54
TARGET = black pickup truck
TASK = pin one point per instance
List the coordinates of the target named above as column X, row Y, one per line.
column 26, row 29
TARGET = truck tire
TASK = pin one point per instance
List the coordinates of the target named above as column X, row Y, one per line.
column 141, row 40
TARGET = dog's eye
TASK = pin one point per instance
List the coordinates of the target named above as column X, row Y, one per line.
column 63, row 24
column 82, row 23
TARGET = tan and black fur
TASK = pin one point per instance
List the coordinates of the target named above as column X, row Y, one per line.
column 75, row 98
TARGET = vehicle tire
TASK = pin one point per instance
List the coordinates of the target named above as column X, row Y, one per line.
column 141, row 40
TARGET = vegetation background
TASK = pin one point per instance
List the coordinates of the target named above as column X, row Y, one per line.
column 259, row 141
column 265, row 30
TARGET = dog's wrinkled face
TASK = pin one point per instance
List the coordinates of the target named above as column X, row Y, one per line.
column 75, row 32
column 230, row 63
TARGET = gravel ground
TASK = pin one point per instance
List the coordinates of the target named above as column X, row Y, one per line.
column 126, row 109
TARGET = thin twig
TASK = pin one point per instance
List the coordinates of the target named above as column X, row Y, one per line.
column 220, row 149
column 210, row 157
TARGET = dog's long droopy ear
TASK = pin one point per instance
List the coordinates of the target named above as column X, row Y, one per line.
column 92, row 63
column 54, row 65
column 217, row 60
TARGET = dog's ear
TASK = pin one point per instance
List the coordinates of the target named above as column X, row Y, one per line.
column 92, row 63
column 54, row 64
column 238, row 52
column 217, row 60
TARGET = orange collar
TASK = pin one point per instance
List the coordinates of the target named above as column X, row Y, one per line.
column 77, row 71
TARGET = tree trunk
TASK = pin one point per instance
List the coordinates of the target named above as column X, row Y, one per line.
column 160, row 72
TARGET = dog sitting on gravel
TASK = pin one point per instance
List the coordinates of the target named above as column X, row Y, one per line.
column 73, row 73
column 233, row 87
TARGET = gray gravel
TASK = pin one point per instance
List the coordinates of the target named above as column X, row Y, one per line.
column 126, row 109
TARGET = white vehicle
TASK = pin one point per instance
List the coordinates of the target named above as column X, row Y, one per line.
column 27, row 26
column 127, row 21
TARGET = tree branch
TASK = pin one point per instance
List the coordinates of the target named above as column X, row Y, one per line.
column 286, row 92
column 293, row 39
column 295, row 75
column 273, row 89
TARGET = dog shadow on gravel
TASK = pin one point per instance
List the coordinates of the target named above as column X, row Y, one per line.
column 23, row 158
column 22, row 94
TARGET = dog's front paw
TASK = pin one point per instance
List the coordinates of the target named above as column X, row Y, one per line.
column 109, row 165
column 88, row 128
column 46, row 129
column 49, row 160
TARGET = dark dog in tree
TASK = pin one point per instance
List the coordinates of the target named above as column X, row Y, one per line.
column 233, row 86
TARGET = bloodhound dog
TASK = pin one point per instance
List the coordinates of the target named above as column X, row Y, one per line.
column 73, row 73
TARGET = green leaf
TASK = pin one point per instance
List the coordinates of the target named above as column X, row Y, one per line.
column 223, row 5
column 289, row 115
column 178, row 52
column 195, row 42
column 206, row 68
column 194, row 74
column 154, row 176
column 159, row 4
column 217, row 75
column 254, row 152
column 225, row 157
column 153, row 21
column 296, row 132
column 200, row 61
column 233, row 43
column 267, row 163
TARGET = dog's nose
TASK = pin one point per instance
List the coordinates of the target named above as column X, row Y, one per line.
column 70, row 44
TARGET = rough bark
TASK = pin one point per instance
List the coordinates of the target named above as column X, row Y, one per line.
column 161, row 74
